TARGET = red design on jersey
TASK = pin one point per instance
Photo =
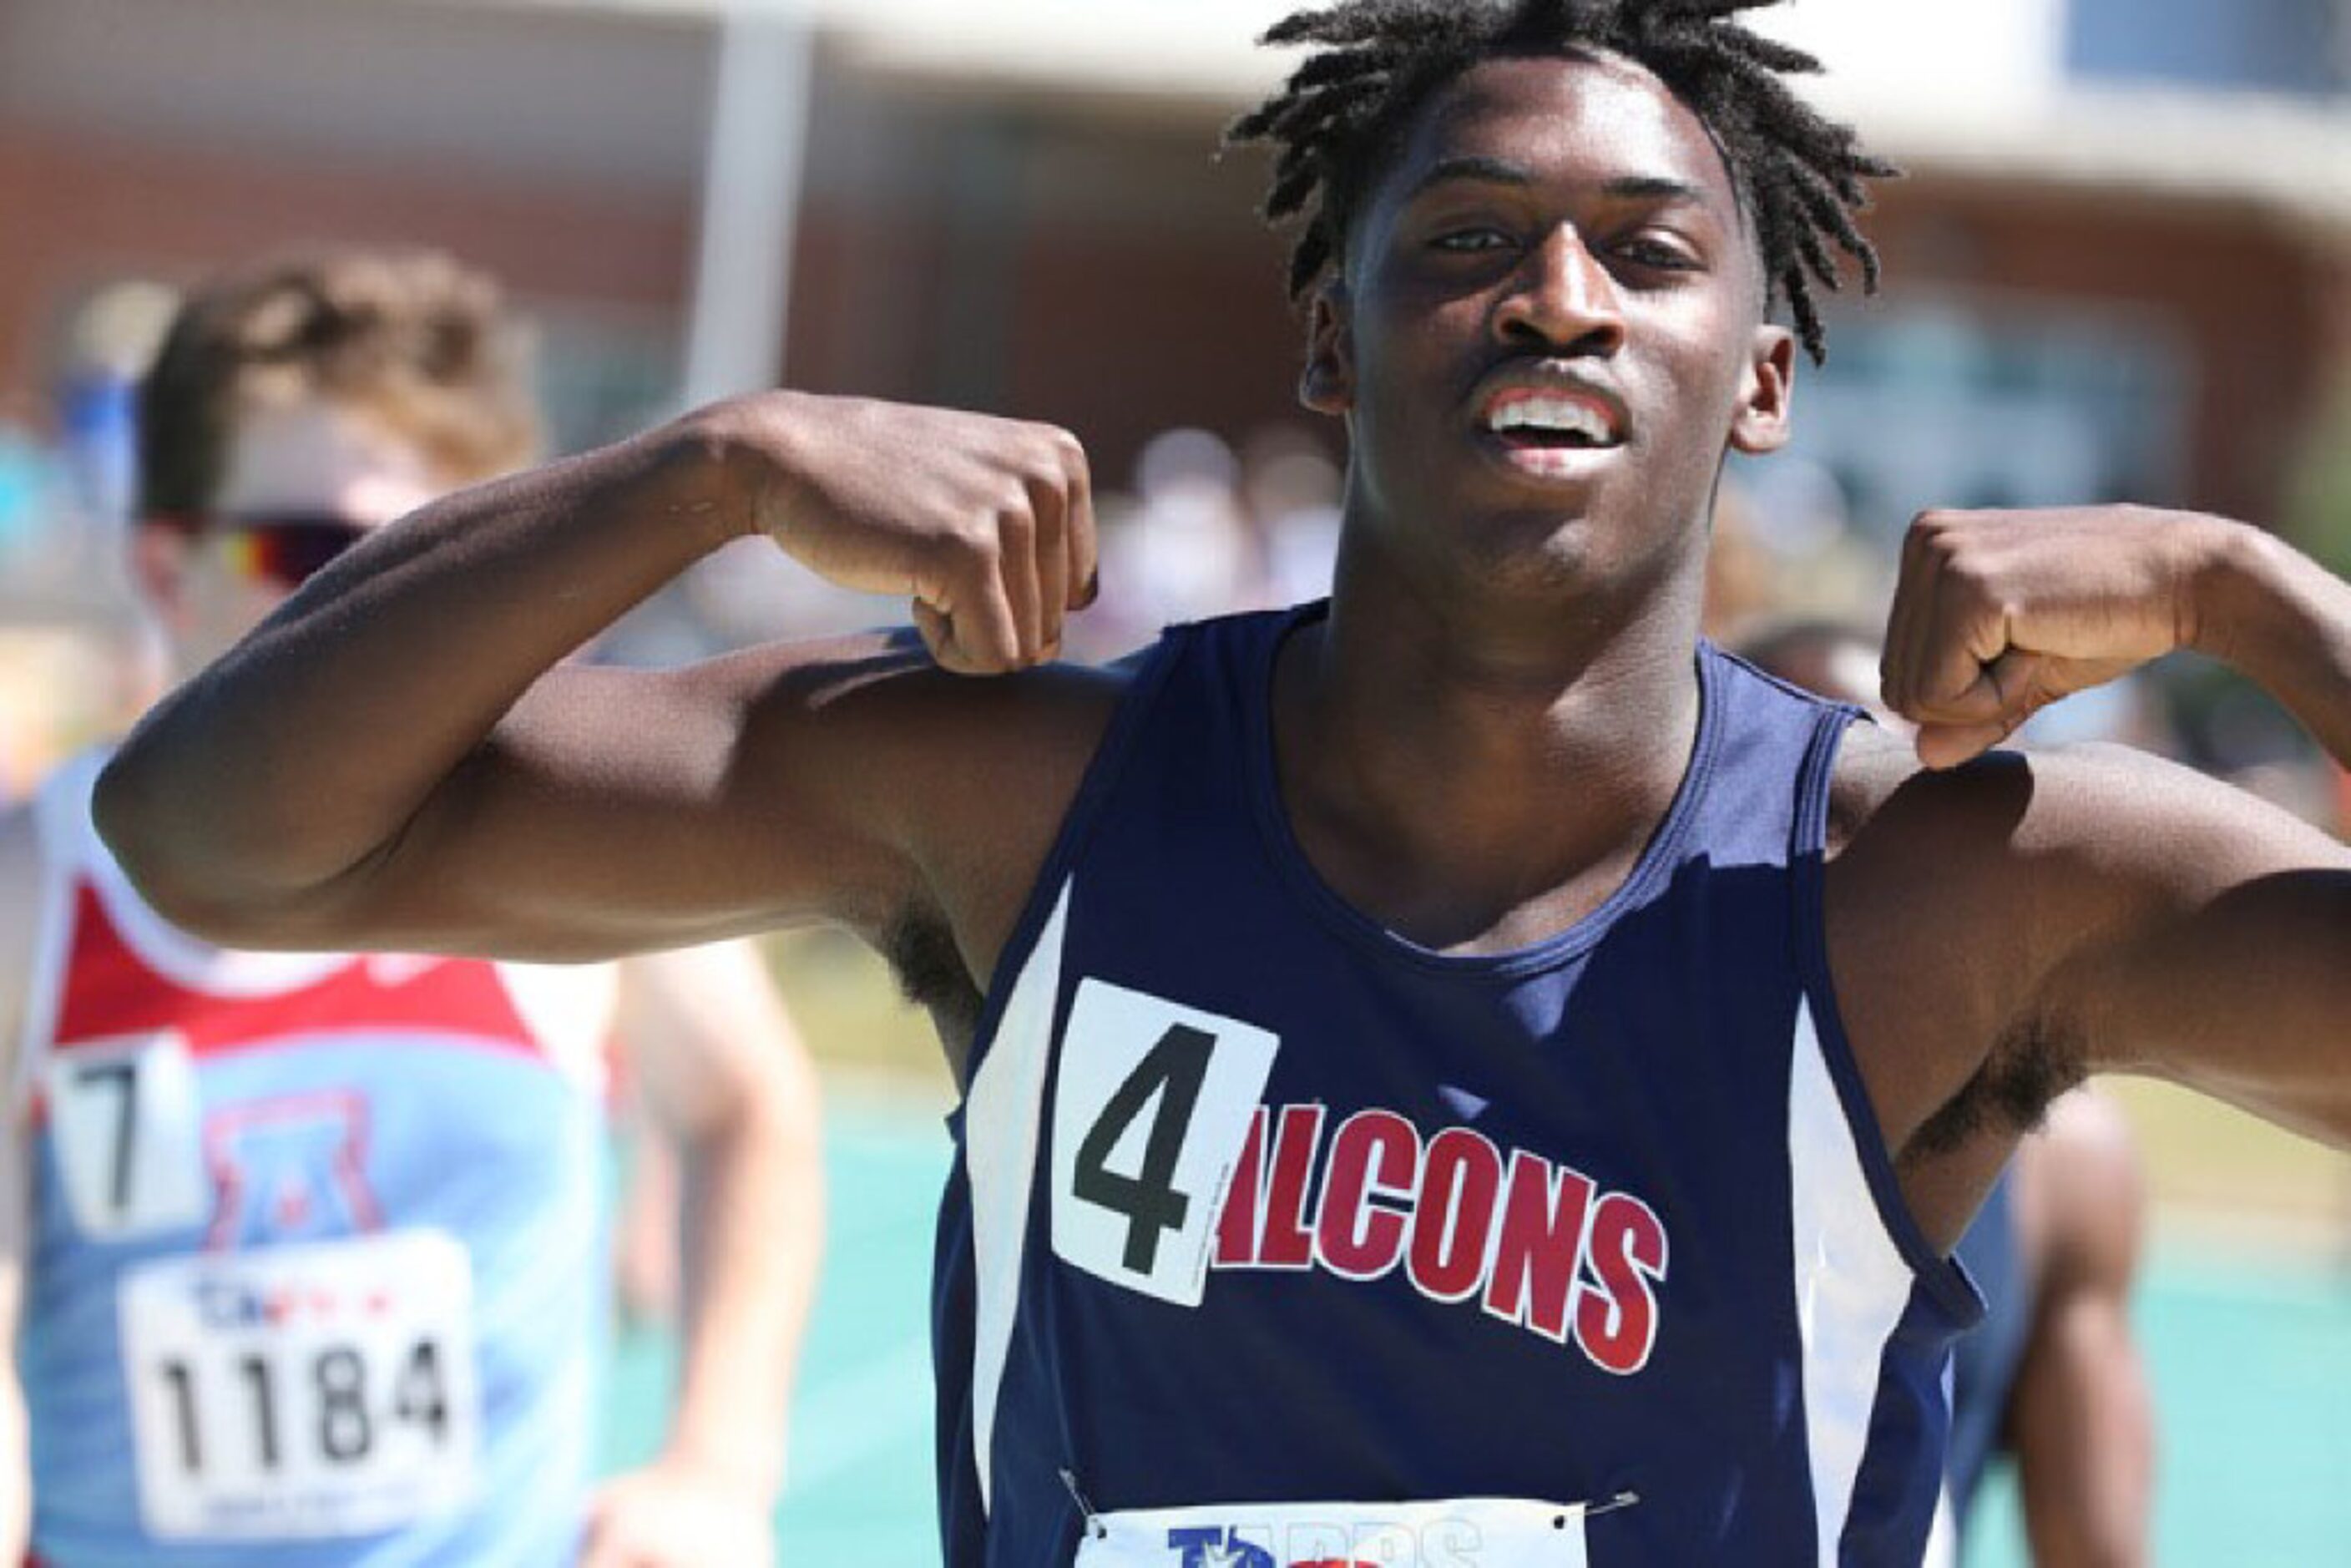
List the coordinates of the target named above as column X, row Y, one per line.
column 1618, row 1326
column 1457, row 1184
column 1540, row 1242
column 111, row 990
column 1533, row 1277
column 1376, row 1155
column 337, row 1124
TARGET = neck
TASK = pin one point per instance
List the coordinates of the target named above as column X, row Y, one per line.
column 1479, row 774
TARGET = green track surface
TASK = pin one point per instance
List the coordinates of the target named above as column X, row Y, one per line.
column 2250, row 1358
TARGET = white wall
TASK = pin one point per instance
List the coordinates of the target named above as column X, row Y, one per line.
column 1936, row 58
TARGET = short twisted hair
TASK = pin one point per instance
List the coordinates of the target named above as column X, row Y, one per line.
column 1798, row 175
column 412, row 341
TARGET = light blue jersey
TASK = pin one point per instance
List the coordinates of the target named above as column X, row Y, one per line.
column 315, row 1266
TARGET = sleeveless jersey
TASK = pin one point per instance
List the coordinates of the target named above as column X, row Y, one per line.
column 1275, row 1239
column 315, row 1267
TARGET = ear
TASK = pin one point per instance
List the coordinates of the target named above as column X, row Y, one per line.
column 1327, row 385
column 1766, row 391
column 159, row 565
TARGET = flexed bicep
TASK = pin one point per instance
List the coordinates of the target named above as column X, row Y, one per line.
column 2205, row 935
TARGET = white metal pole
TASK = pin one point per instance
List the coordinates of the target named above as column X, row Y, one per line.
column 750, row 202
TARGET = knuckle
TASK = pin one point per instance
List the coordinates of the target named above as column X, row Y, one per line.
column 1934, row 529
column 976, row 544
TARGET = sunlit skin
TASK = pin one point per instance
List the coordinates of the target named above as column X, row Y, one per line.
column 1567, row 227
column 1547, row 224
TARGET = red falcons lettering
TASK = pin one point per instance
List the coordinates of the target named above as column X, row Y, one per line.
column 1376, row 1154
column 1542, row 1245
column 1535, row 1242
column 1456, row 1199
column 1628, row 1251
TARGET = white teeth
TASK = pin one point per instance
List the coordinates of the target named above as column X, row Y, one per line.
column 1566, row 416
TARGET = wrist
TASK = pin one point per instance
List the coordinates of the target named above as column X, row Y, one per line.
column 2232, row 586
column 719, row 477
column 752, row 1471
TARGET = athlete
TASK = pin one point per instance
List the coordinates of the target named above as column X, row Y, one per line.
column 1460, row 1073
column 303, row 1254
column 2052, row 1376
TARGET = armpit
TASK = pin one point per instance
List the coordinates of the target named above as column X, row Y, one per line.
column 2027, row 1070
column 922, row 953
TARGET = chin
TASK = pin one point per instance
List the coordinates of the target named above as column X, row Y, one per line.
column 1530, row 555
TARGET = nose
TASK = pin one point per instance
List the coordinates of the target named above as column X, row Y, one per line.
column 1562, row 299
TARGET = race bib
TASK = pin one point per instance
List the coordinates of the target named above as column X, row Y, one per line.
column 1151, row 1114
column 126, row 1123
column 302, row 1391
column 1461, row 1532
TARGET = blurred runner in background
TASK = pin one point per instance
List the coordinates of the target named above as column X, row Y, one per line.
column 306, row 1254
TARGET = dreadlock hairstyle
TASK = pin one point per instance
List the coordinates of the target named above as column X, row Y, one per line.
column 1799, row 176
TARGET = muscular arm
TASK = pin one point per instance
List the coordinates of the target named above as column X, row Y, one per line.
column 393, row 758
column 2151, row 920
column 2079, row 1415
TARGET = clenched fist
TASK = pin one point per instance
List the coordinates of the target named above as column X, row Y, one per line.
column 986, row 525
column 1998, row 614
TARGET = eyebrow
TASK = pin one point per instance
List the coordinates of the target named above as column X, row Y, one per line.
column 1503, row 172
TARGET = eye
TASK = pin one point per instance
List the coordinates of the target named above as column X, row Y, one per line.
column 1662, row 254
column 1469, row 241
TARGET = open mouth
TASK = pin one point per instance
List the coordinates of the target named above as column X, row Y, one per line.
column 1526, row 421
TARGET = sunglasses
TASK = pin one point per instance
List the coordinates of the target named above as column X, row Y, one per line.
column 285, row 549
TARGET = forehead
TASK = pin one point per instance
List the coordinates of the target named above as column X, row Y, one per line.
column 319, row 458
column 1585, row 118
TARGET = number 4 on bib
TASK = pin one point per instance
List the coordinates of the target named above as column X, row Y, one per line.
column 1152, row 1111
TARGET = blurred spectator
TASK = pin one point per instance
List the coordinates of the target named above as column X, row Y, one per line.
column 1292, row 489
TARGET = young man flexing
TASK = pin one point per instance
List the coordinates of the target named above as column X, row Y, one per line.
column 1456, row 1073
column 304, row 1252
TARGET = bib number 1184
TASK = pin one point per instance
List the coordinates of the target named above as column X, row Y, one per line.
column 1152, row 1111
column 302, row 1391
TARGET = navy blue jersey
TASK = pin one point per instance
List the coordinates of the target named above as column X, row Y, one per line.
column 1276, row 1239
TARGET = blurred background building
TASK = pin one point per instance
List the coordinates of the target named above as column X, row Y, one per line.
column 2120, row 267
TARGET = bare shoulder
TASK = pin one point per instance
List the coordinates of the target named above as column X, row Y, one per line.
column 883, row 697
column 2092, row 807
column 613, row 810
column 969, row 777
column 1927, row 932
